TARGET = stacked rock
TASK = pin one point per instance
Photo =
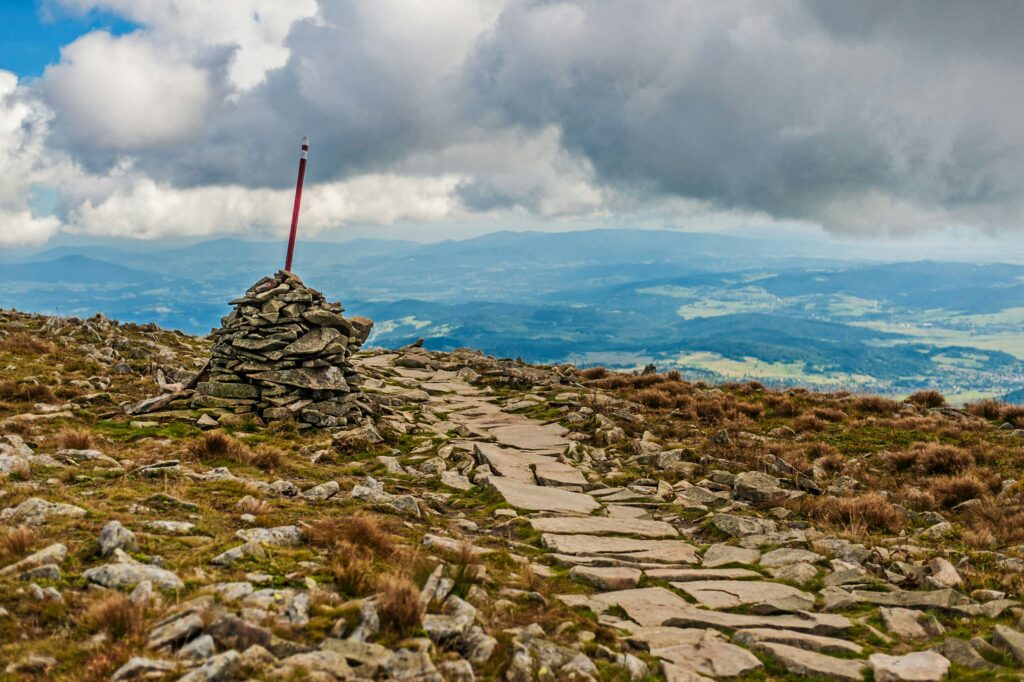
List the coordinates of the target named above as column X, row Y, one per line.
column 284, row 352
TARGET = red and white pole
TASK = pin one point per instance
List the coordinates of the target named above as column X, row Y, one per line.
column 298, row 200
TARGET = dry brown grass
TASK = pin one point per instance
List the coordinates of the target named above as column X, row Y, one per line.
column 116, row 615
column 930, row 398
column 75, row 439
column 986, row 409
column 1013, row 414
column 26, row 392
column 399, row 605
column 950, row 491
column 933, row 459
column 254, row 506
column 353, row 570
column 594, row 373
column 21, row 343
column 857, row 515
column 360, row 530
column 808, row 423
column 218, row 445
column 17, row 542
column 875, row 404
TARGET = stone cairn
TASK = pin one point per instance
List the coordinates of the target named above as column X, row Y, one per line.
column 282, row 353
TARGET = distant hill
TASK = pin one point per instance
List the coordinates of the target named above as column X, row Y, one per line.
column 75, row 269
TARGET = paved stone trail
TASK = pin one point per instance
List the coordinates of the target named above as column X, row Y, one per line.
column 612, row 540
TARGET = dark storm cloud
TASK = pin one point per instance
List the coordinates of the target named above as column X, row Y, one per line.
column 855, row 115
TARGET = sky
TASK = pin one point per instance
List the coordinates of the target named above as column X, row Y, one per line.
column 181, row 119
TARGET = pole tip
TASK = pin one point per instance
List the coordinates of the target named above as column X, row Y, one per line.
column 305, row 141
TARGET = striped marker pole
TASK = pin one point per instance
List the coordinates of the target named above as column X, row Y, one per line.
column 298, row 200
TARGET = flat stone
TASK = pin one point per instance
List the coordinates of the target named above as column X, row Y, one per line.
column 910, row 599
column 667, row 551
column 603, row 525
column 686, row 574
column 729, row 594
column 139, row 667
column 741, row 526
column 123, row 575
column 54, row 554
column 621, row 511
column 788, row 555
column 312, row 343
column 656, row 606
column 826, row 645
column 531, row 436
column 721, row 554
column 710, row 656
column 172, row 527
column 960, row 652
column 224, row 389
column 35, row 511
column 540, row 498
column 175, row 631
column 811, row 664
column 1011, row 640
column 313, row 379
column 282, row 536
column 756, row 486
column 920, row 666
column 903, row 623
column 115, row 536
column 607, row 577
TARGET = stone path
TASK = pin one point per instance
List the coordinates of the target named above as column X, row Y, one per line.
column 610, row 538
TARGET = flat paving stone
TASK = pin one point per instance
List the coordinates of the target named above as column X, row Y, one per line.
column 530, row 436
column 656, row 606
column 722, row 554
column 603, row 525
column 825, row 645
column 667, row 551
column 786, row 556
column 711, row 656
column 511, row 463
column 541, row 498
column 920, row 666
column 687, row 574
column 607, row 577
column 622, row 511
column 811, row 664
column 729, row 594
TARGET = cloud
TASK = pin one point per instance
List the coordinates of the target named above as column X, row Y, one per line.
column 148, row 210
column 867, row 117
column 126, row 93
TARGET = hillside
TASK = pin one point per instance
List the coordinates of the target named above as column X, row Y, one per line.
column 715, row 307
column 494, row 520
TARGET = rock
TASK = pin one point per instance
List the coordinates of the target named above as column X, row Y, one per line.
column 199, row 649
column 282, row 536
column 903, row 623
column 721, row 555
column 220, row 667
column 236, row 554
column 667, row 551
column 322, row 492
column 920, row 666
column 801, row 574
column 172, row 527
column 811, row 664
column 801, row 640
column 607, row 578
column 139, row 667
column 32, row 665
column 542, row 498
column 54, row 554
column 115, row 536
column 762, row 596
column 708, row 654
column 786, row 556
column 742, row 526
column 1011, row 640
column 175, row 631
column 119, row 576
column 324, row 661
column 963, row 654
column 459, row 670
column 35, row 511
column 602, row 525
column 944, row 573
column 757, row 487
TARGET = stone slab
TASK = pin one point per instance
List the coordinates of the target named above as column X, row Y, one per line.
column 603, row 525
column 541, row 498
column 667, row 551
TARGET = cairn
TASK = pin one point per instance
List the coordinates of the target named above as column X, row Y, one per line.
column 282, row 353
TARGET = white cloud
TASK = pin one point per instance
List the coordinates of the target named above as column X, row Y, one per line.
column 21, row 227
column 127, row 92
column 148, row 210
column 256, row 28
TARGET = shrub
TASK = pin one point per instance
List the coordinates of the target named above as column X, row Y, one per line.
column 930, row 398
column 363, row 531
column 817, row 449
column 874, row 404
column 943, row 459
column 674, row 375
column 254, row 506
column 829, row 414
column 75, row 439
column 17, row 542
column 709, row 411
column 806, row 423
column 353, row 571
column 26, row 392
column 654, row 398
column 267, row 458
column 870, row 511
column 399, row 605
column 26, row 344
column 986, row 409
column 594, row 373
column 115, row 614
column 832, row 464
column 1013, row 414
column 950, row 491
